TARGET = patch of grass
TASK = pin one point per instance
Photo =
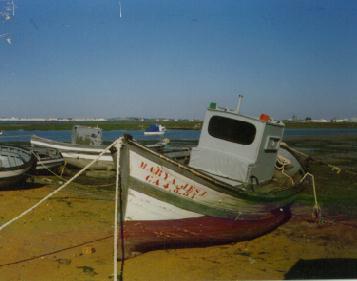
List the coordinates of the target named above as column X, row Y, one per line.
column 337, row 193
column 292, row 124
column 88, row 270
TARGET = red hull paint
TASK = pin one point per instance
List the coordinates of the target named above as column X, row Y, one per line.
column 143, row 236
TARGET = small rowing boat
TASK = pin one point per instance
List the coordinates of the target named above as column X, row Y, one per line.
column 15, row 165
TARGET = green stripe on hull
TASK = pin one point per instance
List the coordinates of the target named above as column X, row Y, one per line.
column 281, row 197
column 180, row 202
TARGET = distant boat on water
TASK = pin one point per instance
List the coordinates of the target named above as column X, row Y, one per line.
column 1, row 132
column 155, row 130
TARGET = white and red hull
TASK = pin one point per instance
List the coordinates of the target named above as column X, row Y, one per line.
column 166, row 205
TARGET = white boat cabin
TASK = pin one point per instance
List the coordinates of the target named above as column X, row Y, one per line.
column 86, row 135
column 236, row 148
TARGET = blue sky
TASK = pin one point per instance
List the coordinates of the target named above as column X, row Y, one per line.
column 171, row 58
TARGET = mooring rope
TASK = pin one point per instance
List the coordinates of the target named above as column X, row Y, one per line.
column 61, row 177
column 117, row 143
column 316, row 210
column 40, row 256
column 48, row 169
column 308, row 157
column 116, row 216
column 3, row 226
column 283, row 164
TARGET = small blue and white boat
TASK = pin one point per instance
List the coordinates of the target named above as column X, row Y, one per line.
column 154, row 130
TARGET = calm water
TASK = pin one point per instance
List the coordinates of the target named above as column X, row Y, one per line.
column 65, row 135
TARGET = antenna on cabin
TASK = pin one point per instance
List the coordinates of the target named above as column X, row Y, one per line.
column 240, row 98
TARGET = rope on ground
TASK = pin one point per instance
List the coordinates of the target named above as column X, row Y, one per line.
column 63, row 167
column 56, row 251
column 334, row 168
column 316, row 210
column 3, row 226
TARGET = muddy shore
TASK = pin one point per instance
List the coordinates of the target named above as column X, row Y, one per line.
column 70, row 237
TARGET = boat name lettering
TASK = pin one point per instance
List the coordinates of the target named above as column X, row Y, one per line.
column 157, row 176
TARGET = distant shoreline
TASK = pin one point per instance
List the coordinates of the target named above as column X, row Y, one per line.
column 105, row 125
column 321, row 125
column 138, row 125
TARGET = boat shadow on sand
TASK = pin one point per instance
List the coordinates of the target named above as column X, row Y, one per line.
column 22, row 186
column 323, row 269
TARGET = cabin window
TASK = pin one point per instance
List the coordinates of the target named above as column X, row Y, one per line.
column 231, row 130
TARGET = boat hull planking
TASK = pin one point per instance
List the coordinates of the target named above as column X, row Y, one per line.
column 147, row 235
column 169, row 205
column 78, row 156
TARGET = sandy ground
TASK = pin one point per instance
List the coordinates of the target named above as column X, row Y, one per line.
column 70, row 237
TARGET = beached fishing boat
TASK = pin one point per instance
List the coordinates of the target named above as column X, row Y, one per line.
column 85, row 147
column 86, row 144
column 238, row 185
column 77, row 155
column 155, row 130
column 15, row 165
column 47, row 159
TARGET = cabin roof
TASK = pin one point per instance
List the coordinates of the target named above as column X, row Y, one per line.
column 233, row 113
